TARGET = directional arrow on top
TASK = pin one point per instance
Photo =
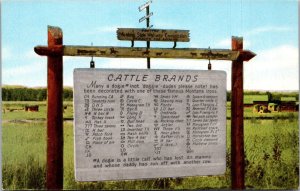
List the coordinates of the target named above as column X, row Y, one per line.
column 142, row 7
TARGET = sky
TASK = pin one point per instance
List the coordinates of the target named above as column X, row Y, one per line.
column 269, row 29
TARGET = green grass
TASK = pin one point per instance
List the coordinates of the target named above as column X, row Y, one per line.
column 271, row 159
column 288, row 99
column 271, row 151
column 272, row 154
column 248, row 99
column 22, row 140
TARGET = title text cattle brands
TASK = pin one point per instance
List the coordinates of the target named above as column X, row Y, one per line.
column 133, row 124
column 155, row 78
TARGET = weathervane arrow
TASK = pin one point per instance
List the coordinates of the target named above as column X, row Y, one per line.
column 145, row 17
column 148, row 13
column 142, row 7
column 246, row 55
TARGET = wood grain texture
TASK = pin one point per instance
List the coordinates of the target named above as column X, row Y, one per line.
column 54, row 178
column 124, row 52
column 237, row 120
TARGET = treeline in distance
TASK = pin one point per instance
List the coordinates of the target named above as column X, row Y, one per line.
column 20, row 93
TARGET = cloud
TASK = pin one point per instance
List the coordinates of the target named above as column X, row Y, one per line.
column 30, row 54
column 106, row 29
column 27, row 68
column 226, row 43
column 266, row 29
column 273, row 69
column 6, row 53
column 161, row 24
column 33, row 74
column 22, row 70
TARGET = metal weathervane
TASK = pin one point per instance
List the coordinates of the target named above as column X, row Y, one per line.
column 148, row 34
column 147, row 17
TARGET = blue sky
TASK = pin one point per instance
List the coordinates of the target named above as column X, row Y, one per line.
column 269, row 28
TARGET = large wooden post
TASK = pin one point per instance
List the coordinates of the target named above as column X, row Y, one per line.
column 54, row 112
column 237, row 120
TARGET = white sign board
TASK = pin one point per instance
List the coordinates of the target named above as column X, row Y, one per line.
column 138, row 124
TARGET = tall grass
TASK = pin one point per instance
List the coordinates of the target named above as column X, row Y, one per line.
column 271, row 149
column 23, row 155
column 272, row 154
column 29, row 174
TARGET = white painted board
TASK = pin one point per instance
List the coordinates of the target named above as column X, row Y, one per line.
column 142, row 124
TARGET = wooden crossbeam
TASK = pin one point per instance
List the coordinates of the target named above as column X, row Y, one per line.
column 122, row 52
column 125, row 52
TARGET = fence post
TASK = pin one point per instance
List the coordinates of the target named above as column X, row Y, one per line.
column 54, row 177
column 237, row 120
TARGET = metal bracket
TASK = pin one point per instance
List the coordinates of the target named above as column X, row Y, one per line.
column 148, row 28
column 92, row 63
column 209, row 54
column 175, row 43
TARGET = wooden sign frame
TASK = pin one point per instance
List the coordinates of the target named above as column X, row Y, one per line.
column 55, row 52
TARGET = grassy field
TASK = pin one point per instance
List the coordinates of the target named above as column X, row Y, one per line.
column 271, row 148
column 250, row 98
column 20, row 114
